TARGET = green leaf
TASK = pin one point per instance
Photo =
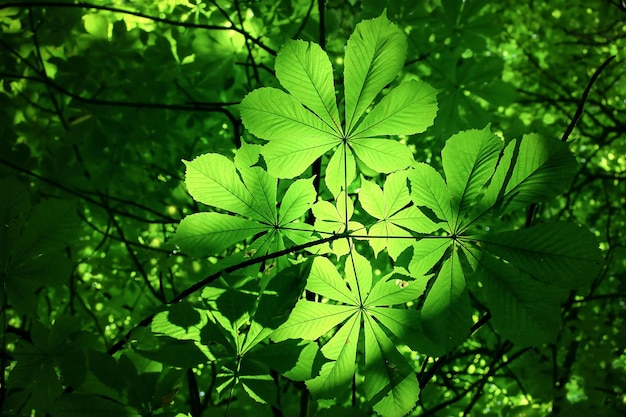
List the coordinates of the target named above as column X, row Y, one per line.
column 406, row 326
column 340, row 171
column 428, row 189
column 276, row 301
column 532, row 170
column 561, row 254
column 386, row 235
column 310, row 320
column 212, row 179
column 326, row 281
column 296, row 136
column 408, row 109
column 297, row 200
column 390, row 383
column 204, row 234
column 414, row 219
column 469, row 160
column 331, row 218
column 341, row 350
column 447, row 314
column 298, row 360
column 381, row 204
column 97, row 25
column 523, row 310
column 393, row 289
column 358, row 274
column 181, row 321
column 382, row 155
column 260, row 185
column 386, row 206
column 426, row 253
column 374, row 55
column 304, row 69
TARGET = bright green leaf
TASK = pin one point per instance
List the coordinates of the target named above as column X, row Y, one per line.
column 212, row 179
column 310, row 320
column 326, row 281
column 297, row 200
column 390, row 383
column 382, row 155
column 374, row 55
column 203, row 234
column 296, row 136
column 426, row 253
column 469, row 160
column 337, row 375
column 304, row 69
column 428, row 189
column 340, row 171
column 408, row 109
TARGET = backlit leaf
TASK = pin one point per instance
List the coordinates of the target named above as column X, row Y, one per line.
column 374, row 55
column 304, row 69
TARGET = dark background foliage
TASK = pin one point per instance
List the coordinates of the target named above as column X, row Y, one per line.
column 100, row 101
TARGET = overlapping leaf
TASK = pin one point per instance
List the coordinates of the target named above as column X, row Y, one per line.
column 233, row 327
column 249, row 193
column 362, row 301
column 395, row 217
column 482, row 178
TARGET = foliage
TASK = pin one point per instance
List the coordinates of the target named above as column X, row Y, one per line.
column 370, row 222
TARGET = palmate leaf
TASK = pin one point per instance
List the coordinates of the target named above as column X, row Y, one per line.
column 388, row 207
column 364, row 303
column 332, row 219
column 302, row 126
column 216, row 181
column 481, row 178
column 234, row 324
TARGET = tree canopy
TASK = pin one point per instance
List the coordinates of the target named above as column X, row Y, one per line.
column 312, row 208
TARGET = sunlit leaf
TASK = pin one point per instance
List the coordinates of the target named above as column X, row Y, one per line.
column 304, row 69
column 428, row 189
column 408, row 109
column 375, row 53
